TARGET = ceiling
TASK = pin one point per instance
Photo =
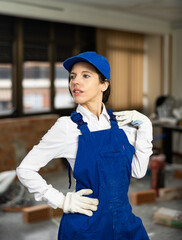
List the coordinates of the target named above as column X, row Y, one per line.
column 168, row 10
column 149, row 16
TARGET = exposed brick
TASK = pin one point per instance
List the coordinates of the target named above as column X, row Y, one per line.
column 166, row 194
column 56, row 212
column 4, row 138
column 178, row 174
column 19, row 135
column 143, row 197
column 40, row 213
column 36, row 213
column 10, row 163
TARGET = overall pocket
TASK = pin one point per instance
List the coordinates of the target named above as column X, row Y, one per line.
column 114, row 174
column 112, row 164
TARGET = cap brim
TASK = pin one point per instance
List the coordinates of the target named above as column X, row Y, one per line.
column 71, row 61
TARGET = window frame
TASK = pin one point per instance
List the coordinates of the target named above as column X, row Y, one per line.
column 18, row 40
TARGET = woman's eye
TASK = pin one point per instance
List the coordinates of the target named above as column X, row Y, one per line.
column 86, row 76
column 72, row 77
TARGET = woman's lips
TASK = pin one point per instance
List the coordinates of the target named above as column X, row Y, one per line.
column 77, row 91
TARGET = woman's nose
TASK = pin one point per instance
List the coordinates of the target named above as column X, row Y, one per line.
column 76, row 80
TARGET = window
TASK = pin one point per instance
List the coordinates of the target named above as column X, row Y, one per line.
column 63, row 97
column 5, row 88
column 34, row 101
column 32, row 78
column 6, row 60
column 36, row 86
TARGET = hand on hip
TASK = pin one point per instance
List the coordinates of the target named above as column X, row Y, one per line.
column 75, row 202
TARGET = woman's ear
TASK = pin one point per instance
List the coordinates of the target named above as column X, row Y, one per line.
column 105, row 85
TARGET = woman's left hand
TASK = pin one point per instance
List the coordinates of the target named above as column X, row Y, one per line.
column 134, row 117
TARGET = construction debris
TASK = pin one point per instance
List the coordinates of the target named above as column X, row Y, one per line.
column 157, row 167
column 15, row 198
column 143, row 197
column 166, row 194
column 6, row 179
column 36, row 213
column 40, row 213
column 168, row 217
column 178, row 174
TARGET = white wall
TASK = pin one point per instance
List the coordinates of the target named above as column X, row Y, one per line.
column 177, row 78
column 154, row 68
column 177, row 63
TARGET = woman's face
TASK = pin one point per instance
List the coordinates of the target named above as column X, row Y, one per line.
column 85, row 85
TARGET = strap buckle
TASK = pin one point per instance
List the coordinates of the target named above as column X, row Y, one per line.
column 111, row 115
column 77, row 118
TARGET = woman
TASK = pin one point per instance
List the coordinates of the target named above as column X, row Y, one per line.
column 101, row 153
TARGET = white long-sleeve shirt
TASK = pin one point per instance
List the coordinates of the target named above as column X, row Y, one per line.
column 61, row 141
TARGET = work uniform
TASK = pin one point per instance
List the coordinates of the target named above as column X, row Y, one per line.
column 103, row 164
column 62, row 141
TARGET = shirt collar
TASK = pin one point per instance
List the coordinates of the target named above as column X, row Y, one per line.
column 88, row 115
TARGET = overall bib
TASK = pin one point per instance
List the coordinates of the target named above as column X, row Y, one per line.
column 103, row 164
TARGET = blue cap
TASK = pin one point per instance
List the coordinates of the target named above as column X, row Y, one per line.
column 98, row 61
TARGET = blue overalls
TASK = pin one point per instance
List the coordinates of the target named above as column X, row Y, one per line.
column 103, row 164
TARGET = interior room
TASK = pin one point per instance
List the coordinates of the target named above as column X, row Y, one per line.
column 142, row 42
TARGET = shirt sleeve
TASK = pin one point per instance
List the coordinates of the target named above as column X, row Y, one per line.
column 141, row 139
column 51, row 146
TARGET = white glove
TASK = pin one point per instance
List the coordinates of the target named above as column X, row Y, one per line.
column 134, row 117
column 75, row 202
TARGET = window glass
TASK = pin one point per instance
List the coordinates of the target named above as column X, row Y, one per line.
column 36, row 86
column 6, row 64
column 5, row 88
column 63, row 98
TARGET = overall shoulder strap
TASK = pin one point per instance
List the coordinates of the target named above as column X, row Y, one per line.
column 112, row 118
column 77, row 118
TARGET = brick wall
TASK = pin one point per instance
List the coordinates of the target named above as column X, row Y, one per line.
column 19, row 135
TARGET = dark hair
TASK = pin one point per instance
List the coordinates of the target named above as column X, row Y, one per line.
column 102, row 79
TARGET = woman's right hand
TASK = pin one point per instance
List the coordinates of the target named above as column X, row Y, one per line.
column 75, row 202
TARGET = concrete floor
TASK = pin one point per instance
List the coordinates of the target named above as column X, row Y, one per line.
column 12, row 226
